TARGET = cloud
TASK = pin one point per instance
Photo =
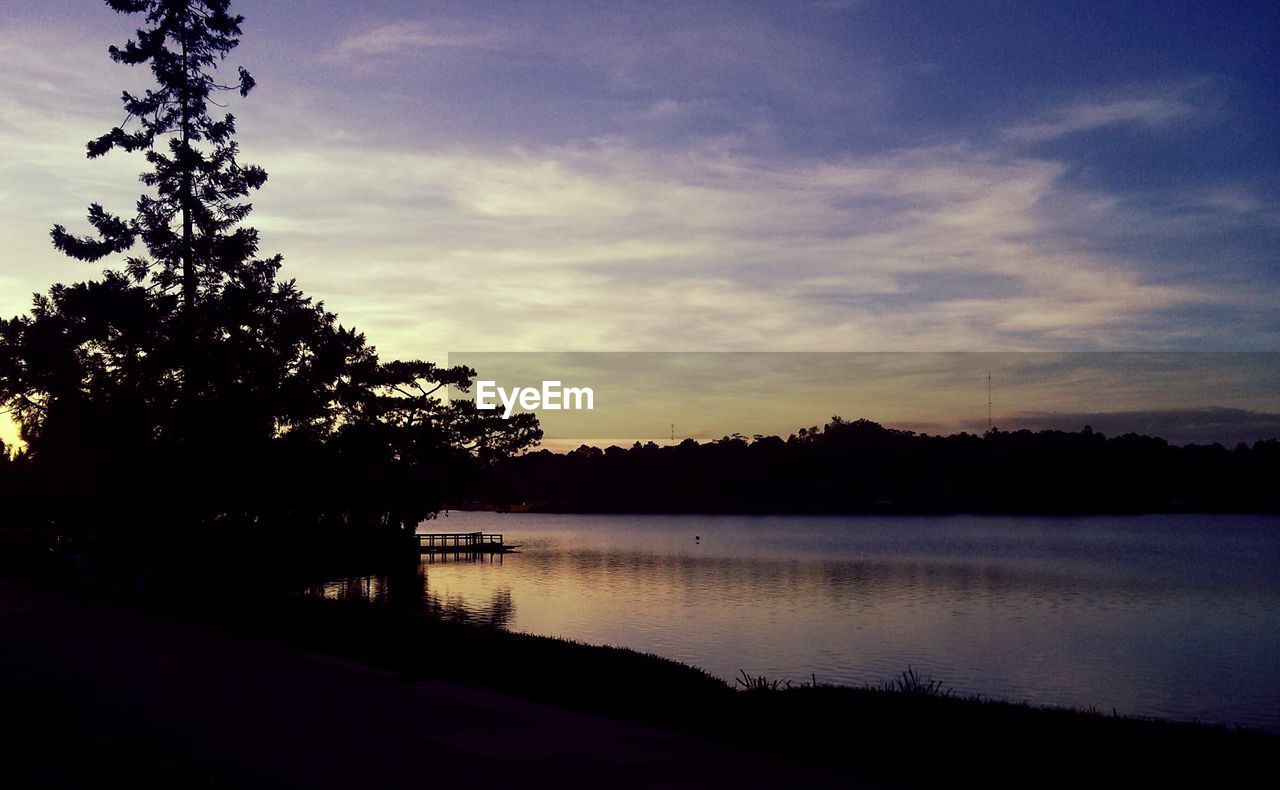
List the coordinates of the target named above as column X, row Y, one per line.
column 1148, row 112
column 402, row 37
column 606, row 241
column 604, row 245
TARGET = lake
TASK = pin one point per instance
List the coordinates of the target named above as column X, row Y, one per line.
column 1176, row 616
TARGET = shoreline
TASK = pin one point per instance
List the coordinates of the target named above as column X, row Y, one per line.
column 543, row 509
column 804, row 729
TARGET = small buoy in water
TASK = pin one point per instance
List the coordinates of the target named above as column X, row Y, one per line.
column 697, row 538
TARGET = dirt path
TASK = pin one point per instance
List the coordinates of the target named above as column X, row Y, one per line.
column 94, row 695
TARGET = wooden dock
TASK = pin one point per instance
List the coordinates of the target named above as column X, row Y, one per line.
column 463, row 543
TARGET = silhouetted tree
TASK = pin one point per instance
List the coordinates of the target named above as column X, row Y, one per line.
column 195, row 387
column 188, row 225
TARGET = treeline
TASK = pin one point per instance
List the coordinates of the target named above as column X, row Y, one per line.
column 863, row 467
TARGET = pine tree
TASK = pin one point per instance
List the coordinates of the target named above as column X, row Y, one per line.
column 189, row 225
column 195, row 387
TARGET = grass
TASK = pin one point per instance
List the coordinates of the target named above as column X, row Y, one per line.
column 910, row 682
column 759, row 683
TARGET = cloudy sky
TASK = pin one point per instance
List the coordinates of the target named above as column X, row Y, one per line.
column 1183, row 397
column 809, row 176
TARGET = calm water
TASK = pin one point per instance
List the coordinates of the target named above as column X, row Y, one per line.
column 1171, row 616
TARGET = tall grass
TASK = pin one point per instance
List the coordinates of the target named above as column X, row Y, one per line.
column 913, row 683
column 760, row 683
column 909, row 682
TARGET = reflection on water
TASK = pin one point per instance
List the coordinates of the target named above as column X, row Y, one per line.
column 1153, row 615
column 413, row 590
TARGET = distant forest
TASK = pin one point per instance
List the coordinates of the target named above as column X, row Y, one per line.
column 863, row 467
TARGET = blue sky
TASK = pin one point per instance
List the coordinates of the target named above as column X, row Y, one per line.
column 804, row 176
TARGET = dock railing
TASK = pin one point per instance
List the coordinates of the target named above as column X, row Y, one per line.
column 460, row 542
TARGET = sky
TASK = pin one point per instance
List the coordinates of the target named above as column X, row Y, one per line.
column 714, row 176
column 667, row 397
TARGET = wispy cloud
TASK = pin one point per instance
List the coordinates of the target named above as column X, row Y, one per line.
column 1147, row 112
column 400, row 37
column 609, row 246
column 499, row 234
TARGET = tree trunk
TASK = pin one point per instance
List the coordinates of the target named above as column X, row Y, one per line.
column 190, row 384
column 188, row 264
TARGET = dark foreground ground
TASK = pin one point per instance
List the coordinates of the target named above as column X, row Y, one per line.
column 95, row 695
column 295, row 693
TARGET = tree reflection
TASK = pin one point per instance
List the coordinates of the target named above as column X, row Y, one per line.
column 413, row 592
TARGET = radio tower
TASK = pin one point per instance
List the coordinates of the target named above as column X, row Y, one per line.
column 988, row 401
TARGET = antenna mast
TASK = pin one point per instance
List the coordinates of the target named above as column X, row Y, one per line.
column 988, row 401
